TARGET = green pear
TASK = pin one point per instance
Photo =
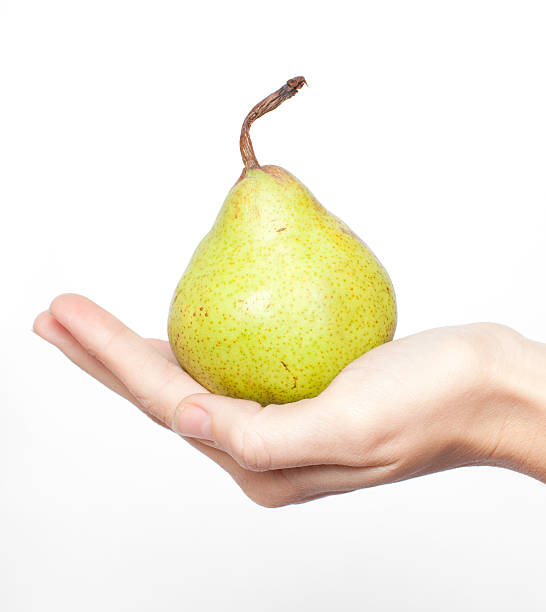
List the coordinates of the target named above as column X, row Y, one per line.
column 280, row 295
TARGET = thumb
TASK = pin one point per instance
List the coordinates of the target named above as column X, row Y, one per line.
column 263, row 438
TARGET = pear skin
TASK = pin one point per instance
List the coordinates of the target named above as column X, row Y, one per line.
column 279, row 296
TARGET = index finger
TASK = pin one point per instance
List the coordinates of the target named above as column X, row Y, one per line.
column 158, row 384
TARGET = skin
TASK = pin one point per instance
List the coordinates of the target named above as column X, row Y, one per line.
column 279, row 296
column 440, row 399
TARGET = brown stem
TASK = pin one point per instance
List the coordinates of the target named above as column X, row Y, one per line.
column 267, row 104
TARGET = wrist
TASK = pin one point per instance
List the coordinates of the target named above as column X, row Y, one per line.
column 514, row 413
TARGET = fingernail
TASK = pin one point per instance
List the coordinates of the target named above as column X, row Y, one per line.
column 193, row 422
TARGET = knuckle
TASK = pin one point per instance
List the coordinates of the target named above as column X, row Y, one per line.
column 269, row 497
column 151, row 402
column 251, row 449
column 277, row 491
column 271, row 489
column 146, row 404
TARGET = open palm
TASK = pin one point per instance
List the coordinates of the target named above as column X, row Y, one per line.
column 404, row 409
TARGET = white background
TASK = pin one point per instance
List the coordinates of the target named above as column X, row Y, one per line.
column 424, row 128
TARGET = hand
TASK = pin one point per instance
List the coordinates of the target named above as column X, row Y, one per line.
column 440, row 399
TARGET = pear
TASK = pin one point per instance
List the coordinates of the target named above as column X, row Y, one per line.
column 280, row 295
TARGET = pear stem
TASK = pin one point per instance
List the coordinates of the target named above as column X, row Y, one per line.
column 265, row 106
